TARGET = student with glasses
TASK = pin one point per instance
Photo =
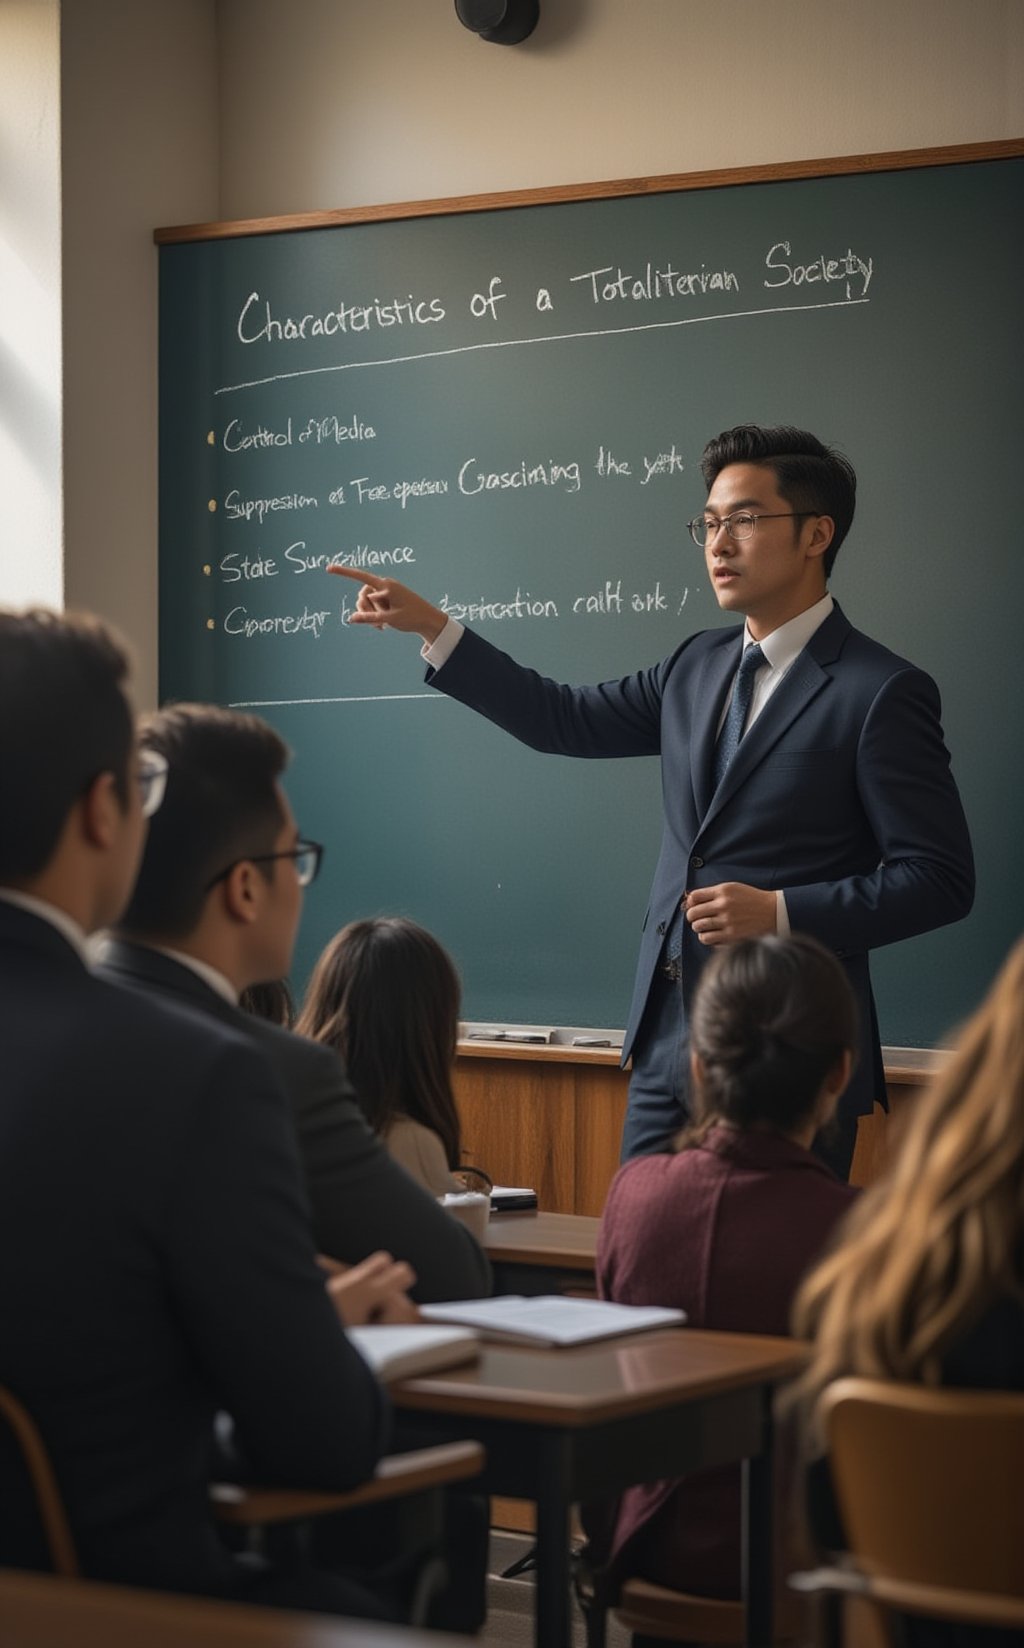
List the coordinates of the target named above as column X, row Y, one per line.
column 805, row 779
column 215, row 910
column 158, row 1262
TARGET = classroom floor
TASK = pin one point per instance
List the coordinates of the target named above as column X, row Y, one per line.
column 510, row 1601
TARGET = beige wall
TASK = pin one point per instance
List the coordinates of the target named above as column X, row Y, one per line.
column 140, row 147
column 31, row 560
column 177, row 110
column 327, row 103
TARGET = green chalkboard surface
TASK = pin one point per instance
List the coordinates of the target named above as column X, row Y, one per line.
column 503, row 403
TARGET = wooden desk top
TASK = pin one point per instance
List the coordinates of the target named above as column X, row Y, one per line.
column 613, row 1380
column 38, row 1611
column 552, row 1240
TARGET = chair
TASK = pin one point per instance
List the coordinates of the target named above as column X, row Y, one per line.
column 930, row 1489
column 655, row 1611
column 61, row 1546
column 416, row 1479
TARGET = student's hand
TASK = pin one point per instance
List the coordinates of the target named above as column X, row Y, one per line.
column 387, row 604
column 373, row 1291
column 732, row 910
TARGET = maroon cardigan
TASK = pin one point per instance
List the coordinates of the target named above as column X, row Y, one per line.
column 726, row 1231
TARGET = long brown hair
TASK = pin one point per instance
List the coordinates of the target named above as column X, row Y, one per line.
column 929, row 1247
column 385, row 995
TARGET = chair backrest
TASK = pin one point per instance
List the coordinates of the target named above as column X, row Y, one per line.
column 930, row 1483
column 63, row 1557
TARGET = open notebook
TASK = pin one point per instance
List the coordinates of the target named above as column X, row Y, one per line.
column 402, row 1350
column 552, row 1319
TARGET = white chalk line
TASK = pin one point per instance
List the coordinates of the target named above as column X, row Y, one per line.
column 369, row 698
column 560, row 337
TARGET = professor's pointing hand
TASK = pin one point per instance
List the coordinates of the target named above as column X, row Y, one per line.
column 384, row 603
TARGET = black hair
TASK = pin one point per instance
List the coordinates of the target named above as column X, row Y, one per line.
column 64, row 720
column 809, row 475
column 221, row 805
column 771, row 1019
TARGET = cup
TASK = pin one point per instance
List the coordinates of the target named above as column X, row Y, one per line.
column 472, row 1208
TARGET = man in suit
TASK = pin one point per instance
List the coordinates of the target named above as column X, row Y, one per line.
column 158, row 1261
column 809, row 790
column 215, row 909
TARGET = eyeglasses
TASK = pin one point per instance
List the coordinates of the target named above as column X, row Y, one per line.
column 307, row 857
column 151, row 777
column 739, row 525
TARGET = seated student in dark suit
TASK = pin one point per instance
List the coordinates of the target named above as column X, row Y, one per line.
column 727, row 1224
column 926, row 1281
column 158, row 1261
column 215, row 909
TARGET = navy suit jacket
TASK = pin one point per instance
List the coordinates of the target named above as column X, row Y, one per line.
column 362, row 1200
column 158, row 1266
column 840, row 793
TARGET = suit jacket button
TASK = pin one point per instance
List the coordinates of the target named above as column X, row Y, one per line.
column 661, row 929
column 698, row 863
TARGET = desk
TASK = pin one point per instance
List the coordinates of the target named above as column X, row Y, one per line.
column 38, row 1611
column 565, row 1426
column 552, row 1116
column 542, row 1252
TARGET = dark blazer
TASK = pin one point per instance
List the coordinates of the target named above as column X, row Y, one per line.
column 725, row 1231
column 840, row 794
column 361, row 1199
column 158, row 1266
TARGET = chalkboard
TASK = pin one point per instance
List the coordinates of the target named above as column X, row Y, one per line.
column 503, row 402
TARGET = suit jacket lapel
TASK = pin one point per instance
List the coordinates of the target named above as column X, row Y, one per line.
column 805, row 679
column 139, row 964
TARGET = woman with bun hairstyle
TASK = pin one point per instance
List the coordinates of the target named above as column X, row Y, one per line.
column 385, row 995
column 726, row 1225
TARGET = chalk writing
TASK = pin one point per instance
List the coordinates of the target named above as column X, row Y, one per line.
column 237, row 508
column 656, row 283
column 849, row 267
column 305, row 622
column 257, row 322
column 548, row 473
column 332, row 430
column 520, row 606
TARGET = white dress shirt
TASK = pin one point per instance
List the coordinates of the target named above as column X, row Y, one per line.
column 66, row 925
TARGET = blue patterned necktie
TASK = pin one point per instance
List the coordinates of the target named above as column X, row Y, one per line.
column 739, row 705
column 725, row 749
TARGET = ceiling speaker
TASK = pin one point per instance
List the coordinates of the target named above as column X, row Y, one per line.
column 503, row 22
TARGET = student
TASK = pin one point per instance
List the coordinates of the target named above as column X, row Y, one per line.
column 726, row 1225
column 158, row 1264
column 385, row 996
column 927, row 1282
column 215, row 909
column 836, row 816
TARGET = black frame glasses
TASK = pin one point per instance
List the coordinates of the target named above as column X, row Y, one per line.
column 739, row 525
column 307, row 855
column 151, row 776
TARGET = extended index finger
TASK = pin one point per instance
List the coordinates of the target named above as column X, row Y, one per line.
column 372, row 578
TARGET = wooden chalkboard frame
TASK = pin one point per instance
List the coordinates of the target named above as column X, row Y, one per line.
column 837, row 167
column 890, row 160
